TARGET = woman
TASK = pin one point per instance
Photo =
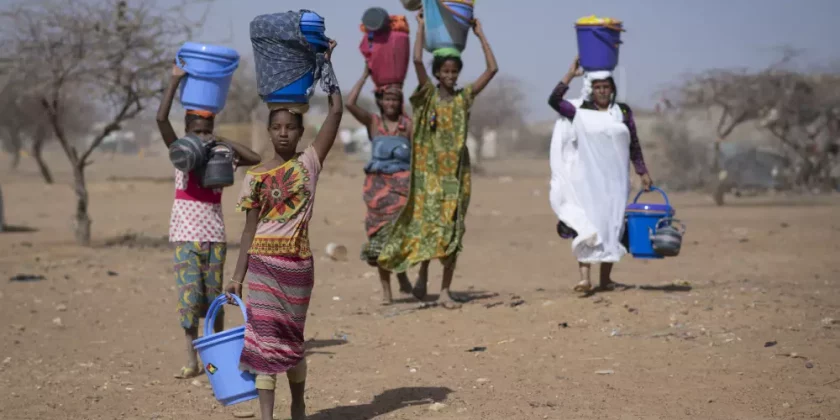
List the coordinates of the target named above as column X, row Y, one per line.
column 275, row 257
column 196, row 227
column 432, row 224
column 593, row 145
column 387, row 179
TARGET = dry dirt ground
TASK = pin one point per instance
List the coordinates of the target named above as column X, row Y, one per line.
column 98, row 338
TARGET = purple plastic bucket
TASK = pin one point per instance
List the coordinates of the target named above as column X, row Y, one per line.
column 598, row 47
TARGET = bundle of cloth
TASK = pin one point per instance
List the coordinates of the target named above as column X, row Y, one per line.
column 283, row 55
column 386, row 53
column 590, row 184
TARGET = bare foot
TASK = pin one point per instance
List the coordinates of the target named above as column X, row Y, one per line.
column 583, row 287
column 298, row 411
column 447, row 301
column 405, row 285
column 607, row 285
column 419, row 291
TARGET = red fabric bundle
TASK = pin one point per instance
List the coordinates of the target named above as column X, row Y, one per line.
column 387, row 52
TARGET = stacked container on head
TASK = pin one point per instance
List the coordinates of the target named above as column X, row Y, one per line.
column 385, row 46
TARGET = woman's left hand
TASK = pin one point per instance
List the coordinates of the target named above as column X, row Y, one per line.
column 333, row 44
column 647, row 182
column 477, row 28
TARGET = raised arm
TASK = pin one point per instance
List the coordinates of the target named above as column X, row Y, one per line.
column 329, row 129
column 419, row 67
column 556, row 101
column 489, row 57
column 165, row 127
column 361, row 114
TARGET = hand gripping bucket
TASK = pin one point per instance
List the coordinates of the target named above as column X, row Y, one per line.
column 220, row 354
column 642, row 219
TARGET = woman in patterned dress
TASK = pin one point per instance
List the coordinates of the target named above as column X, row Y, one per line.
column 386, row 184
column 275, row 258
column 432, row 224
column 196, row 227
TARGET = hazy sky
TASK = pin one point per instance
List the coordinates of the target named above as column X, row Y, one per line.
column 534, row 40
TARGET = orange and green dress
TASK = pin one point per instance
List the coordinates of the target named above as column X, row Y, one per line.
column 431, row 225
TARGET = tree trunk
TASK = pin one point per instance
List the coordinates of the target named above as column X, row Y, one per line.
column 83, row 221
column 37, row 147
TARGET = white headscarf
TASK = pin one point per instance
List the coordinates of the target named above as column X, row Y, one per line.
column 586, row 91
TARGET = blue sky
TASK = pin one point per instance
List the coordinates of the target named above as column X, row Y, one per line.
column 534, row 40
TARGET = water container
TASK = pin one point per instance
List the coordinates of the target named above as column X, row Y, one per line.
column 209, row 70
column 412, row 5
column 313, row 27
column 642, row 219
column 598, row 46
column 188, row 153
column 218, row 171
column 294, row 93
column 443, row 30
column 667, row 237
column 387, row 56
column 220, row 353
column 462, row 11
column 376, row 19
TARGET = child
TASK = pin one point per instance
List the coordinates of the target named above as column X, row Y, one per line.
column 432, row 224
column 196, row 228
column 275, row 257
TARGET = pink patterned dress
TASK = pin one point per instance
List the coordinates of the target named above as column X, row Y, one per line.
column 280, row 273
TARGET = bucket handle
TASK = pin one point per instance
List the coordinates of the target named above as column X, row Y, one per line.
column 671, row 221
column 225, row 72
column 665, row 196
column 220, row 301
column 606, row 41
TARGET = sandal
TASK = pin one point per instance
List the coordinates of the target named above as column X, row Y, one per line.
column 583, row 287
column 189, row 373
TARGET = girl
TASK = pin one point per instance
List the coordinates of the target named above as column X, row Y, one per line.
column 591, row 150
column 432, row 224
column 196, row 227
column 275, row 258
column 387, row 180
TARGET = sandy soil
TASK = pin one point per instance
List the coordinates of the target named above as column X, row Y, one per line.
column 98, row 337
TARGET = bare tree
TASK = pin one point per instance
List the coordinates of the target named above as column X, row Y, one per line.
column 501, row 104
column 108, row 51
column 243, row 97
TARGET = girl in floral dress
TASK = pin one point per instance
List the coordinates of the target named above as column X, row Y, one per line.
column 431, row 225
column 275, row 258
column 196, row 227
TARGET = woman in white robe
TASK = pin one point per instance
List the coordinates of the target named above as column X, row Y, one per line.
column 593, row 144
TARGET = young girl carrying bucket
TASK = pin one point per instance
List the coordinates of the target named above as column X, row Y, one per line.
column 196, row 227
column 275, row 258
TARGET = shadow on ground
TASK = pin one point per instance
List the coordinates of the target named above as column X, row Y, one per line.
column 313, row 345
column 17, row 229
column 384, row 403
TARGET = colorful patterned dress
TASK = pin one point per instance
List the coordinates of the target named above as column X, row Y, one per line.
column 431, row 225
column 385, row 196
column 280, row 273
column 197, row 230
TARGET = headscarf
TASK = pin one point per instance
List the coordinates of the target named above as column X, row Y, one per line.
column 588, row 78
column 197, row 114
column 394, row 88
column 447, row 52
column 293, row 108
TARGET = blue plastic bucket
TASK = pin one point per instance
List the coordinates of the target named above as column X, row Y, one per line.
column 642, row 219
column 463, row 11
column 598, row 47
column 220, row 354
column 209, row 70
column 294, row 93
column 313, row 27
